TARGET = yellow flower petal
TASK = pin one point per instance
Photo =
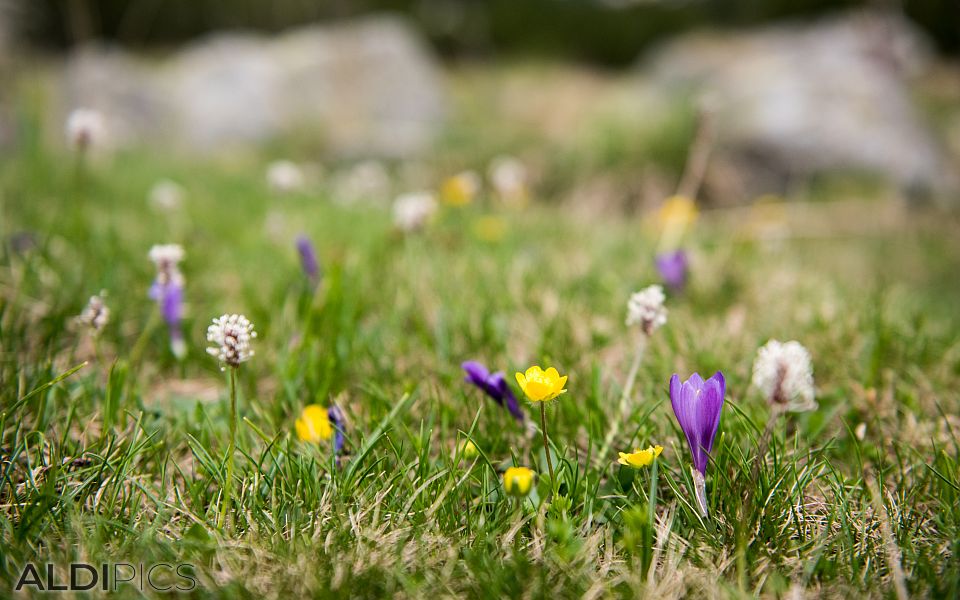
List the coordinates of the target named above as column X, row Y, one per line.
column 541, row 386
column 517, row 481
column 314, row 424
column 640, row 458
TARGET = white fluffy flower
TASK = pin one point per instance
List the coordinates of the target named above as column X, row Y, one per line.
column 96, row 315
column 285, row 176
column 166, row 195
column 167, row 258
column 85, row 128
column 783, row 374
column 366, row 181
column 509, row 178
column 645, row 308
column 412, row 211
column 232, row 335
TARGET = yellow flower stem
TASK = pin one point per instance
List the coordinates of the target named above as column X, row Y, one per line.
column 546, row 446
column 231, row 450
column 624, row 405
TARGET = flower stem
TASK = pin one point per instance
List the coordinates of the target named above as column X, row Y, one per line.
column 231, row 450
column 700, row 492
column 546, row 446
column 624, row 405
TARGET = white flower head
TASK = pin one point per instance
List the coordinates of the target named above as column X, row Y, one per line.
column 284, row 176
column 366, row 181
column 232, row 335
column 166, row 195
column 167, row 258
column 412, row 211
column 96, row 314
column 86, row 128
column 645, row 308
column 784, row 375
column 509, row 177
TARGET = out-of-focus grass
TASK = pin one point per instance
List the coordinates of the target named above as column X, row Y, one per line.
column 384, row 336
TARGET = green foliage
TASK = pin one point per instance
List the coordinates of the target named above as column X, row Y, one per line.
column 115, row 452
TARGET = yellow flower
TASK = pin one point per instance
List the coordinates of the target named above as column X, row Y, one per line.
column 314, row 424
column 489, row 229
column 517, row 481
column 640, row 458
column 460, row 189
column 539, row 385
column 677, row 212
column 468, row 450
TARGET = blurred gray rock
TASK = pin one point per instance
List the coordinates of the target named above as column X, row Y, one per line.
column 6, row 77
column 367, row 87
column 795, row 100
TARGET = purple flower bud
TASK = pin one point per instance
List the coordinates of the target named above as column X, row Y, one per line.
column 495, row 386
column 308, row 259
column 338, row 423
column 697, row 405
column 169, row 298
column 673, row 268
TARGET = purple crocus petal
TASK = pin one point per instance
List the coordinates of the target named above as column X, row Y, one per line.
column 697, row 405
column 308, row 258
column 476, row 372
column 499, row 380
column 171, row 304
column 673, row 267
column 338, row 423
column 478, row 375
column 495, row 386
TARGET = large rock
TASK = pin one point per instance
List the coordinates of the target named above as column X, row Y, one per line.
column 368, row 87
column 801, row 99
column 6, row 77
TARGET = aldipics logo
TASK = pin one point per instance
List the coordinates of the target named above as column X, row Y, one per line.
column 79, row 577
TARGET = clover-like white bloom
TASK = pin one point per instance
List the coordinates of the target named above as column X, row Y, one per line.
column 285, row 176
column 509, row 177
column 231, row 335
column 365, row 181
column 166, row 195
column 85, row 128
column 412, row 211
column 784, row 375
column 167, row 258
column 96, row 314
column 645, row 308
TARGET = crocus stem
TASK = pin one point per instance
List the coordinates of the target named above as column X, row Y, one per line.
column 624, row 405
column 700, row 492
column 546, row 445
column 141, row 343
column 228, row 484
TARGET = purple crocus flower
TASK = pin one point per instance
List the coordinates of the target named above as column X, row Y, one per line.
column 495, row 386
column 308, row 259
column 335, row 415
column 673, row 267
column 697, row 404
column 169, row 297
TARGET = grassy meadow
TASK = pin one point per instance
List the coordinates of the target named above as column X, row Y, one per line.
column 113, row 450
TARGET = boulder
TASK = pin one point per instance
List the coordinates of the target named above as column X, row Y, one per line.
column 799, row 99
column 367, row 87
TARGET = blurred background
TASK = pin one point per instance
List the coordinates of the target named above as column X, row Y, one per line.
column 600, row 99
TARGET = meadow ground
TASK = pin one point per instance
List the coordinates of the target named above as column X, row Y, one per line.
column 114, row 451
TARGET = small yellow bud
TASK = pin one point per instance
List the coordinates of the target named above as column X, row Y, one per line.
column 517, row 481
